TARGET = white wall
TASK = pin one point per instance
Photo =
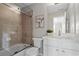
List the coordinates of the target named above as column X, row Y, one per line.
column 70, row 19
column 51, row 22
column 77, row 17
column 73, row 18
column 39, row 9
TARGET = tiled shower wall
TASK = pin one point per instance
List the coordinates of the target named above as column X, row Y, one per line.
column 10, row 22
column 27, row 28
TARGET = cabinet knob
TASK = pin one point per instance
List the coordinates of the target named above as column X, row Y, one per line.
column 63, row 51
column 57, row 49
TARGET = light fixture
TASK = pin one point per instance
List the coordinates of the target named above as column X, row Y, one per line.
column 49, row 4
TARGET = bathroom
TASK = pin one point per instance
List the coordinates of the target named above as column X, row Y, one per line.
column 39, row 29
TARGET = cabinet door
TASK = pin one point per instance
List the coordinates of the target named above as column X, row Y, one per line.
column 74, row 53
column 45, row 50
column 53, row 51
column 63, row 52
column 45, row 46
column 67, row 52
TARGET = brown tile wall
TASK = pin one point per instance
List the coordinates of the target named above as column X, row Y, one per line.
column 10, row 21
column 27, row 28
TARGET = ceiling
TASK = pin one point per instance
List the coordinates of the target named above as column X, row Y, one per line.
column 57, row 8
column 21, row 5
column 51, row 7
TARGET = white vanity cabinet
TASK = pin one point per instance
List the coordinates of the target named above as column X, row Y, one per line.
column 60, row 47
column 52, row 51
